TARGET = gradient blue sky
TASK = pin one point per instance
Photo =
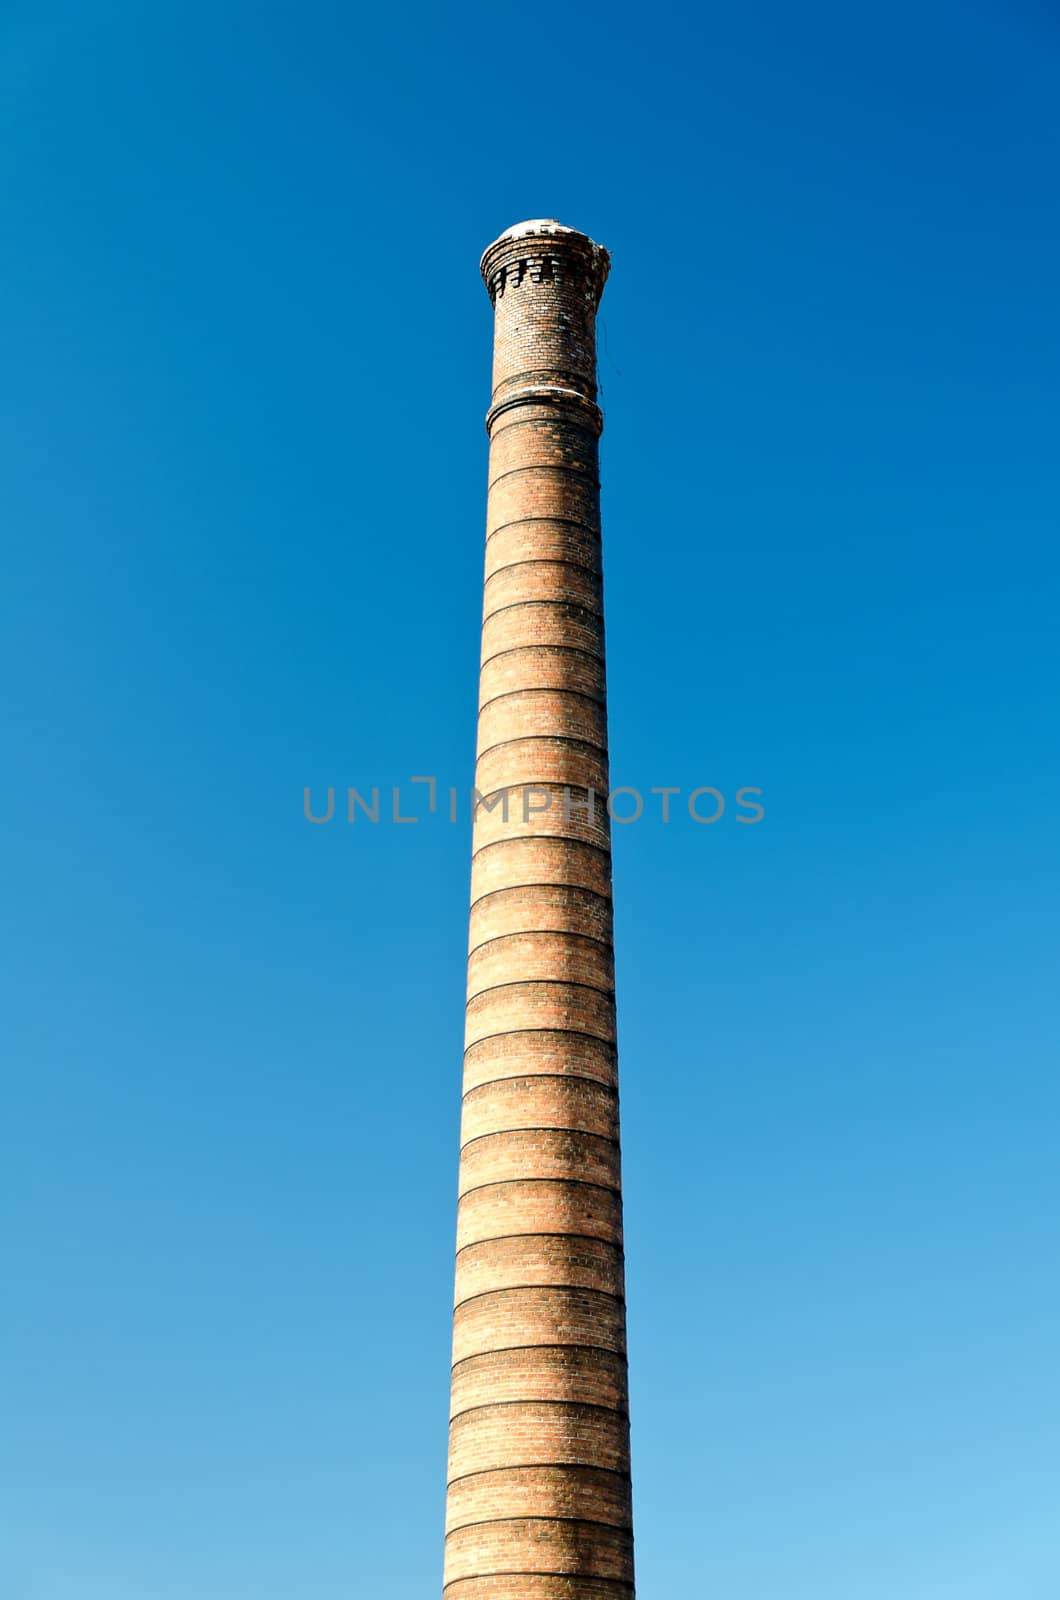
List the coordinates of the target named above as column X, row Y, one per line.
column 246, row 358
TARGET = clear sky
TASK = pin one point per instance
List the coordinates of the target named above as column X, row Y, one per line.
column 246, row 363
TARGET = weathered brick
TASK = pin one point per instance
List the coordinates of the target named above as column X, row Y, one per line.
column 539, row 1101
column 588, row 1493
column 543, row 623
column 558, row 762
column 542, row 955
column 536, row 907
column 543, row 667
column 554, row 1314
column 554, row 1052
column 538, row 1205
column 530, row 1432
column 588, row 1549
column 519, row 1153
column 526, row 1260
column 507, row 862
column 542, row 1372
column 538, row 1586
column 548, row 1005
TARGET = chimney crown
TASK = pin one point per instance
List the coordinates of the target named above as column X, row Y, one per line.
column 545, row 250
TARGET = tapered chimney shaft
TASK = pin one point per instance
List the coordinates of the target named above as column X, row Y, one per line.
column 539, row 1486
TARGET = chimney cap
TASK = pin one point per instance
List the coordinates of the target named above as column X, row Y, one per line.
column 597, row 260
column 537, row 227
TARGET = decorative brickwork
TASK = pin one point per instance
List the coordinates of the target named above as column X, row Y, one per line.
column 539, row 1486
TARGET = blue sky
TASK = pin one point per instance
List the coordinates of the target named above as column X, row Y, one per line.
column 246, row 354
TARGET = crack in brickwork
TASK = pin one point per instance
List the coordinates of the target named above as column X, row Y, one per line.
column 539, row 1503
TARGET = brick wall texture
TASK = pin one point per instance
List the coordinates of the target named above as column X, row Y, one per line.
column 539, row 1485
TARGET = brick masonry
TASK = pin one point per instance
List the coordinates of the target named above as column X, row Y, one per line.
column 539, row 1501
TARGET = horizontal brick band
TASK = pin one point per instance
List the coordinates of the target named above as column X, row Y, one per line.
column 532, row 1050
column 522, row 1432
column 499, row 567
column 558, row 747
column 514, row 980
column 551, row 935
column 536, row 467
column 539, row 1586
column 550, row 405
column 530, row 1259
column 588, row 1549
column 545, row 621
column 527, row 582
column 541, row 957
column 507, row 863
column 539, row 1205
column 607, row 1084
column 543, row 667
column 551, row 812
column 488, row 1409
column 534, row 908
column 586, row 1493
column 540, row 1101
column 540, row 1005
column 542, row 713
column 530, row 377
column 549, row 521
column 539, row 1153
column 578, row 409
column 554, row 407
column 544, row 492
column 561, row 762
column 544, row 539
column 541, row 437
column 539, row 1314
column 584, row 1373
column 525, row 697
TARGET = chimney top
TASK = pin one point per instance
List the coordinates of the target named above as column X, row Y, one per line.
column 595, row 262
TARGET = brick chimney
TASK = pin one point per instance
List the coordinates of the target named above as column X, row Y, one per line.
column 539, row 1487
